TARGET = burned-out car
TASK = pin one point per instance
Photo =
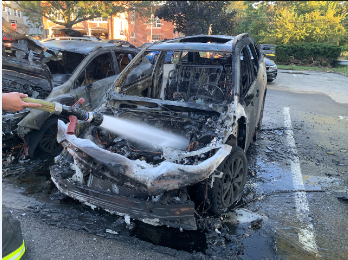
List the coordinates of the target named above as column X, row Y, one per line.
column 214, row 101
column 61, row 71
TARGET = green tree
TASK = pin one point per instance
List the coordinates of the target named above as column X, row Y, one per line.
column 281, row 22
column 197, row 17
column 73, row 12
column 292, row 24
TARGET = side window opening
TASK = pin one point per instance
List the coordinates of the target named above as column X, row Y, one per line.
column 123, row 59
column 99, row 68
column 247, row 75
column 254, row 59
column 138, row 77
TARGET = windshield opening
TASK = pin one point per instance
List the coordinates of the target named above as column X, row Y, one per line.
column 66, row 63
column 200, row 77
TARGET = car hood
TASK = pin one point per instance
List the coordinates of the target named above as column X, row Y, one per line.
column 145, row 168
column 269, row 62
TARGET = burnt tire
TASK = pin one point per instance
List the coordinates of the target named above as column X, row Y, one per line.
column 44, row 141
column 228, row 189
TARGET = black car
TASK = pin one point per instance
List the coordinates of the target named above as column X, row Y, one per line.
column 271, row 69
column 268, row 50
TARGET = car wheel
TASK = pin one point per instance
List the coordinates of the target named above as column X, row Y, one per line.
column 228, row 189
column 171, row 59
column 44, row 141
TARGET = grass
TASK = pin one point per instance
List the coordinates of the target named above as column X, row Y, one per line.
column 342, row 70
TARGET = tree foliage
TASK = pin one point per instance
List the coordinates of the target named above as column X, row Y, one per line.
column 291, row 22
column 73, row 12
column 195, row 17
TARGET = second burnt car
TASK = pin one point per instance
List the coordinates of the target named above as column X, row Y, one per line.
column 61, row 71
column 214, row 101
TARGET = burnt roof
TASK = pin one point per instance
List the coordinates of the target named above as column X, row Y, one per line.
column 83, row 47
column 211, row 43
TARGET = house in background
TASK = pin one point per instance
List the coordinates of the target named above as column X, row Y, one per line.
column 15, row 18
column 142, row 30
column 122, row 26
column 127, row 26
column 22, row 25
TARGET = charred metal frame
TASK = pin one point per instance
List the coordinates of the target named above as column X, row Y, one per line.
column 174, row 215
column 156, row 179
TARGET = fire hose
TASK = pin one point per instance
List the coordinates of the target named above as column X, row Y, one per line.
column 74, row 112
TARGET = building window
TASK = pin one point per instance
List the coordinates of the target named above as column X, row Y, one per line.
column 13, row 21
column 3, row 8
column 156, row 37
column 133, row 17
column 19, row 13
column 156, row 22
column 8, row 11
column 181, row 35
column 57, row 17
column 132, row 34
column 100, row 19
column 15, row 12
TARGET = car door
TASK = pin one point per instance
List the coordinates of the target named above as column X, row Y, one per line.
column 96, row 79
column 249, row 89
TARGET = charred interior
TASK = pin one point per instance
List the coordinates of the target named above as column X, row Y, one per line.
column 201, row 77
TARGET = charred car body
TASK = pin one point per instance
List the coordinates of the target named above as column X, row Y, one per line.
column 215, row 101
column 60, row 71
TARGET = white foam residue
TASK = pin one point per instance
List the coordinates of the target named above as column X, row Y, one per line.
column 127, row 219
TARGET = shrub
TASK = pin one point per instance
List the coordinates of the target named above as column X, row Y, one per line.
column 308, row 54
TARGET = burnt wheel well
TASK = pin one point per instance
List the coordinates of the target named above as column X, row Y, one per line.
column 241, row 136
column 33, row 137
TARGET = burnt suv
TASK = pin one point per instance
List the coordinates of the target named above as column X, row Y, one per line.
column 61, row 71
column 213, row 95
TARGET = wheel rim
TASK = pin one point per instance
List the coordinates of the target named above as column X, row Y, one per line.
column 48, row 142
column 232, row 182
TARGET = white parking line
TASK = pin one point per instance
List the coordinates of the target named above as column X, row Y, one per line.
column 294, row 75
column 307, row 234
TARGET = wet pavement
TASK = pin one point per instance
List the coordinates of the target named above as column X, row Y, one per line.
column 294, row 206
